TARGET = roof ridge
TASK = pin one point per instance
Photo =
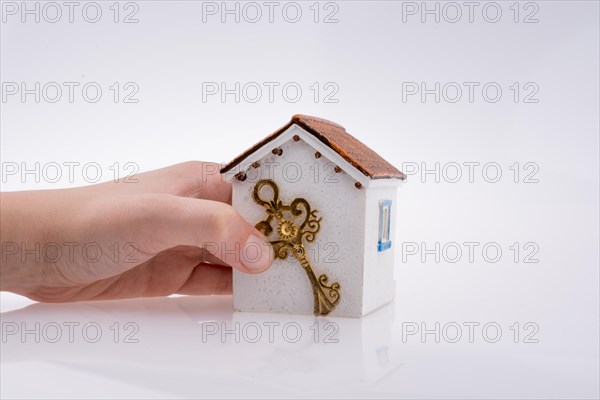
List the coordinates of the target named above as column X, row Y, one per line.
column 300, row 117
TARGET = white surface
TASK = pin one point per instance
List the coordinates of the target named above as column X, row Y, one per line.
column 368, row 54
column 173, row 359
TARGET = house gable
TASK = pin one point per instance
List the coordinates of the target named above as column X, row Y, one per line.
column 292, row 133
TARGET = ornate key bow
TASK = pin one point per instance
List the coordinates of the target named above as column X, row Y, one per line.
column 290, row 240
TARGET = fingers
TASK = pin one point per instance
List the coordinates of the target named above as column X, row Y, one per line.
column 179, row 269
column 208, row 279
column 201, row 180
column 171, row 271
column 211, row 225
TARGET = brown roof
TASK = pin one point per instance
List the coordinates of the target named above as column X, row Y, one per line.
column 334, row 136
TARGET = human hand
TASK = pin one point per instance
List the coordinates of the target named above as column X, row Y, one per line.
column 172, row 231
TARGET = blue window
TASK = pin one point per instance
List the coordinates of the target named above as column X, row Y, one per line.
column 385, row 210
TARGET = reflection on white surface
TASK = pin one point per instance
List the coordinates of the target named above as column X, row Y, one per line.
column 198, row 347
column 193, row 346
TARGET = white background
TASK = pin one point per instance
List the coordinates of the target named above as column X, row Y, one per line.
column 369, row 55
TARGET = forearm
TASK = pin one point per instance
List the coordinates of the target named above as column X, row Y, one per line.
column 29, row 220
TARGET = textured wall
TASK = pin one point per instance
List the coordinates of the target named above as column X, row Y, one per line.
column 338, row 249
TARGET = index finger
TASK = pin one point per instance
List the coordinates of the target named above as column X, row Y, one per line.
column 195, row 179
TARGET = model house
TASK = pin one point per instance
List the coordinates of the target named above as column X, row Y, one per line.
column 327, row 203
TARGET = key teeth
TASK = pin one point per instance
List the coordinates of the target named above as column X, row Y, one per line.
column 323, row 305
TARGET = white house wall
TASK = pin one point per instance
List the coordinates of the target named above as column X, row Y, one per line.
column 379, row 285
column 338, row 250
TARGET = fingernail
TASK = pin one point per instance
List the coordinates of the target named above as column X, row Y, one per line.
column 257, row 254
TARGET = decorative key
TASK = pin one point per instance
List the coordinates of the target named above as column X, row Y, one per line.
column 291, row 237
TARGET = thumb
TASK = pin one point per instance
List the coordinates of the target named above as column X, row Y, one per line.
column 214, row 226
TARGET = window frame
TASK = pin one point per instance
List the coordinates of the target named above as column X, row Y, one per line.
column 384, row 241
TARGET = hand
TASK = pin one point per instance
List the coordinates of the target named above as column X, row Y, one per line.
column 172, row 231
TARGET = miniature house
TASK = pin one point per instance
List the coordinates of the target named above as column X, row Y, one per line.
column 327, row 204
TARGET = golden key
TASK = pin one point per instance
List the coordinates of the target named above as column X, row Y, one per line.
column 291, row 237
